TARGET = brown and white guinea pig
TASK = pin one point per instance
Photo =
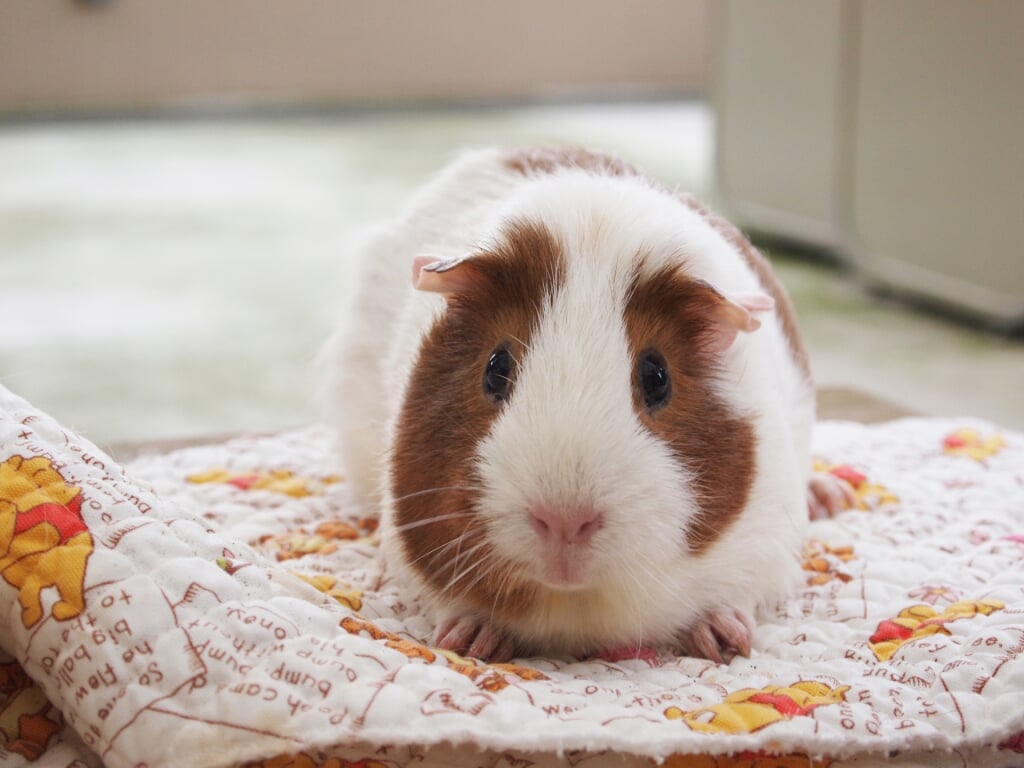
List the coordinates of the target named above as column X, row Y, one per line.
column 587, row 418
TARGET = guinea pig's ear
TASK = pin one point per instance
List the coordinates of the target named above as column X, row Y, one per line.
column 734, row 312
column 444, row 276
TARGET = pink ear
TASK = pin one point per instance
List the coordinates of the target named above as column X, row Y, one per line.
column 739, row 307
column 438, row 275
column 734, row 313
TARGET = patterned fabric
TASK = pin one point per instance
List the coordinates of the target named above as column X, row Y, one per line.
column 224, row 605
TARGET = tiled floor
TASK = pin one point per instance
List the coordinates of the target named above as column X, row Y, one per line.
column 167, row 278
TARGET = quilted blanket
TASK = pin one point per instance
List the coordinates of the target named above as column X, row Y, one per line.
column 224, row 605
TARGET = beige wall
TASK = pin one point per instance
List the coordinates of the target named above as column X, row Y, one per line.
column 123, row 54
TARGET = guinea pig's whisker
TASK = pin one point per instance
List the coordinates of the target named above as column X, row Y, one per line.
column 457, row 575
column 642, row 572
column 503, row 585
column 520, row 341
column 439, row 550
column 440, row 489
column 488, row 564
column 648, row 572
column 458, row 550
column 444, row 547
column 637, row 578
column 508, row 580
column 431, row 520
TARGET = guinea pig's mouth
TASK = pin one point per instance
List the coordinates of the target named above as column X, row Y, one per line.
column 564, row 570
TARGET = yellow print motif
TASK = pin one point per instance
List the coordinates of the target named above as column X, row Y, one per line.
column 818, row 557
column 323, row 541
column 345, row 594
column 749, row 710
column 281, row 481
column 918, row 621
column 44, row 541
column 972, row 444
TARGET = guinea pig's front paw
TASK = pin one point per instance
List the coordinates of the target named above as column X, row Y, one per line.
column 719, row 636
column 828, row 495
column 472, row 636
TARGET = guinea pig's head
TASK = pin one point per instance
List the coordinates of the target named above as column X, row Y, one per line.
column 563, row 427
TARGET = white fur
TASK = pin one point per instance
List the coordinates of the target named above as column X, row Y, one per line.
column 570, row 433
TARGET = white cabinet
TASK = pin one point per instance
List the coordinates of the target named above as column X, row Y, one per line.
column 889, row 130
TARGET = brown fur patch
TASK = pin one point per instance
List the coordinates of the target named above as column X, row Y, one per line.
column 446, row 414
column 672, row 314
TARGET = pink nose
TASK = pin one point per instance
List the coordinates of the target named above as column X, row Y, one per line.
column 566, row 526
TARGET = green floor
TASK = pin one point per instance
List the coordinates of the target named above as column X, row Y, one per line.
column 173, row 278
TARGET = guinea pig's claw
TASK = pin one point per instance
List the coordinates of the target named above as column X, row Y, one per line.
column 828, row 495
column 491, row 644
column 470, row 636
column 719, row 636
column 456, row 634
column 496, row 649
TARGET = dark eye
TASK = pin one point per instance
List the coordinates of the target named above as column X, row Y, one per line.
column 655, row 384
column 497, row 375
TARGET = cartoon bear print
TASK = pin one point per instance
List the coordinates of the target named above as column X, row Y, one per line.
column 44, row 541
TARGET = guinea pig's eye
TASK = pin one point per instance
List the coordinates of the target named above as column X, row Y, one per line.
column 496, row 375
column 655, row 384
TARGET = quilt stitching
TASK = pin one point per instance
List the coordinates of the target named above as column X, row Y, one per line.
column 245, row 612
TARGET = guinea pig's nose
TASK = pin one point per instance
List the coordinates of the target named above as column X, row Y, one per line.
column 566, row 526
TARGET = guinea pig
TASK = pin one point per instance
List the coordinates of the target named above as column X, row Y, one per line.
column 586, row 419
